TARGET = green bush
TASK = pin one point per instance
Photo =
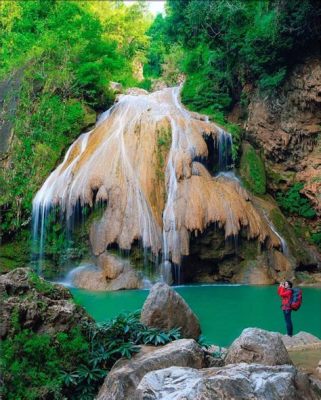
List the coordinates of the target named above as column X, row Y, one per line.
column 293, row 202
column 71, row 365
column 228, row 44
column 316, row 238
column 32, row 363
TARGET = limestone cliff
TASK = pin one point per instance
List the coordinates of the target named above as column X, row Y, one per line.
column 287, row 127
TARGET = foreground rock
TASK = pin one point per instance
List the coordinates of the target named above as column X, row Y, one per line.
column 35, row 304
column 318, row 369
column 166, row 309
column 258, row 346
column 182, row 370
column 240, row 381
column 125, row 376
column 301, row 341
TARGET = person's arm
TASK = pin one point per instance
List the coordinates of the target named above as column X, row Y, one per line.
column 284, row 292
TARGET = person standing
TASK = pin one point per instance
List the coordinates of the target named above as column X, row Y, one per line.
column 285, row 292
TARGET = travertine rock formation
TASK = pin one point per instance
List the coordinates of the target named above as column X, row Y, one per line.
column 142, row 161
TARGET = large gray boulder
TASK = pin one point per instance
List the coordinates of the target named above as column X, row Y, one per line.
column 121, row 382
column 258, row 346
column 233, row 382
column 165, row 309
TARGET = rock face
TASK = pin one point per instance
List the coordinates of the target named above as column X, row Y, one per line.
column 166, row 309
column 125, row 376
column 258, row 346
column 238, row 382
column 36, row 304
column 301, row 341
column 287, row 129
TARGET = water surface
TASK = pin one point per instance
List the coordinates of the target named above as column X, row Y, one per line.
column 224, row 310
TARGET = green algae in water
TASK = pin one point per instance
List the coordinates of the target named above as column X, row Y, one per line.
column 223, row 310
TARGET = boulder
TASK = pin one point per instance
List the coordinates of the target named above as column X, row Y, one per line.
column 36, row 304
column 89, row 277
column 121, row 382
column 128, row 279
column 111, row 266
column 301, row 341
column 165, row 309
column 112, row 273
column 258, row 346
column 318, row 369
column 237, row 382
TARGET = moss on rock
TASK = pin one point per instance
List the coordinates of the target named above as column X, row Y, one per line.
column 252, row 170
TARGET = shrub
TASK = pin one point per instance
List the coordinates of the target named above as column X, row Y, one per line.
column 293, row 202
column 72, row 365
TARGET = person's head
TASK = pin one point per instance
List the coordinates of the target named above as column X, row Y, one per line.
column 288, row 284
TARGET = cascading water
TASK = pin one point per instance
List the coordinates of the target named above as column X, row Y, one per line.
column 182, row 142
column 141, row 163
column 284, row 245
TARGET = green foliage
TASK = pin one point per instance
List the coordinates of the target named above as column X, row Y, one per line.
column 227, row 44
column 71, row 365
column 316, row 237
column 15, row 254
column 41, row 285
column 157, row 49
column 32, row 363
column 293, row 202
column 66, row 52
column 252, row 170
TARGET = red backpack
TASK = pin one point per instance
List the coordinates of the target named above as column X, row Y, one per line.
column 296, row 299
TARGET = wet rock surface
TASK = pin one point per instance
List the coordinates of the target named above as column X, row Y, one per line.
column 36, row 304
column 166, row 309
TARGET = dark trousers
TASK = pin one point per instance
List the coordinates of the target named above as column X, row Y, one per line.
column 288, row 322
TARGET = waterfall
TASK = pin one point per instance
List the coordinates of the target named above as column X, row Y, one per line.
column 284, row 245
column 224, row 150
column 151, row 192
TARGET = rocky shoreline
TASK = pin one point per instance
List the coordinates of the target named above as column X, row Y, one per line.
column 258, row 365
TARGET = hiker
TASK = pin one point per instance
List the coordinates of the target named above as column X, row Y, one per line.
column 285, row 291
